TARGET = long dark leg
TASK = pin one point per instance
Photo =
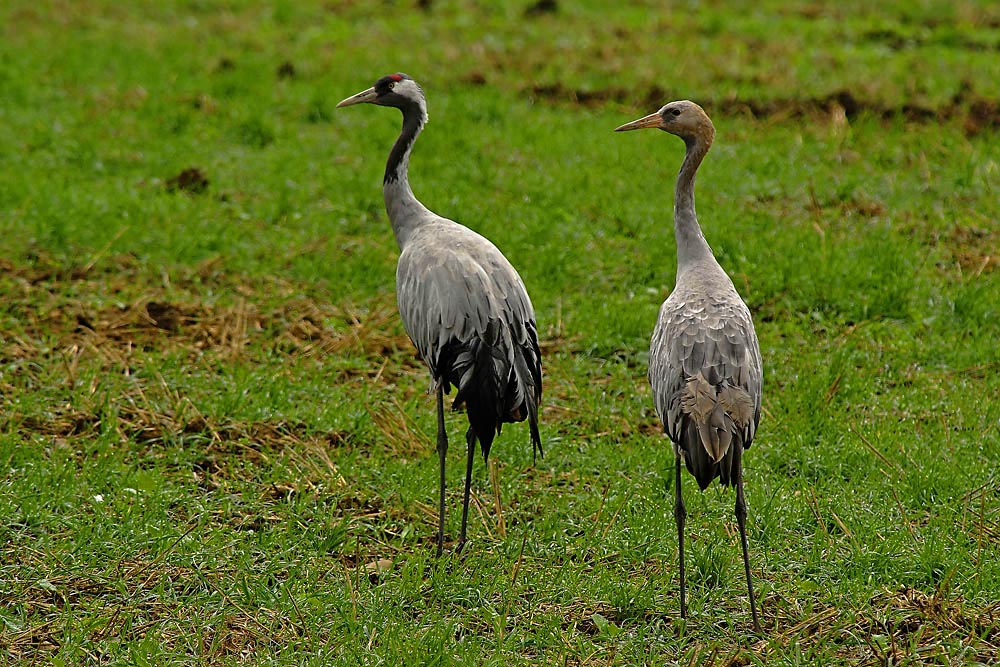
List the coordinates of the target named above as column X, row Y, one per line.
column 680, row 514
column 741, row 520
column 470, row 439
column 442, row 447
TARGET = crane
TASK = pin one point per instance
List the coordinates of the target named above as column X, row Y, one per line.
column 704, row 361
column 462, row 304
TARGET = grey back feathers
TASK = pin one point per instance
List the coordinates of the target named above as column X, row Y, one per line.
column 705, row 371
column 469, row 316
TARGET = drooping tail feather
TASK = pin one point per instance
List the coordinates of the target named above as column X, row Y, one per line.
column 536, row 439
column 701, row 464
column 493, row 386
column 479, row 391
column 528, row 383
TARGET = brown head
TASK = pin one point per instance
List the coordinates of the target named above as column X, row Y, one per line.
column 684, row 118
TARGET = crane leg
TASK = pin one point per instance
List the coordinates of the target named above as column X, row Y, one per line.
column 442, row 447
column 741, row 520
column 680, row 513
column 470, row 439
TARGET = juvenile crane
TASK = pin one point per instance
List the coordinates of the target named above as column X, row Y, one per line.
column 462, row 304
column 704, row 361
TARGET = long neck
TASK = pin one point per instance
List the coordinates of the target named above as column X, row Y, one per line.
column 405, row 212
column 691, row 243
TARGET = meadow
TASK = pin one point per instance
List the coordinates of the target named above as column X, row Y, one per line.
column 217, row 444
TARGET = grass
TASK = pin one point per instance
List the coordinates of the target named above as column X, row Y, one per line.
column 216, row 440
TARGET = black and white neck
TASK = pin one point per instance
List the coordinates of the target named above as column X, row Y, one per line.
column 400, row 91
column 404, row 210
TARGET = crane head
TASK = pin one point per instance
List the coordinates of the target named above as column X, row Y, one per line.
column 394, row 90
column 683, row 118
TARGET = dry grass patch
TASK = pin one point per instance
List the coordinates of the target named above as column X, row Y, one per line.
column 132, row 600
column 112, row 311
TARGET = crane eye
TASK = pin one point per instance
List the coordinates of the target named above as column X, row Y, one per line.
column 392, row 84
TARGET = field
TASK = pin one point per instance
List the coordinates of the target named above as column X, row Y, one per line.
column 216, row 440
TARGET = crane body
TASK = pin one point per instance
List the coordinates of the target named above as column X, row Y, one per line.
column 705, row 366
column 462, row 304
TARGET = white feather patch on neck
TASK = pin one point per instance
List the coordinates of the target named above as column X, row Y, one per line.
column 408, row 88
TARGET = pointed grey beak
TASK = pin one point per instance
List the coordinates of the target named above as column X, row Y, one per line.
column 362, row 97
column 652, row 120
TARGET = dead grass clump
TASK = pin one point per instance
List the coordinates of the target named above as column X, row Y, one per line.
column 62, row 422
column 897, row 626
column 145, row 599
column 974, row 249
column 112, row 307
column 865, row 208
column 910, row 616
column 231, row 451
column 403, row 437
column 307, row 328
column 224, row 446
column 151, row 323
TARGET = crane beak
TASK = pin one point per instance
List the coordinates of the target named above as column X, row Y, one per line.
column 652, row 120
column 365, row 96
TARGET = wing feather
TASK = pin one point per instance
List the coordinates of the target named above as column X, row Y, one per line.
column 705, row 368
column 469, row 315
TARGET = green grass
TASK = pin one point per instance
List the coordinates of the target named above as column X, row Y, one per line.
column 216, row 440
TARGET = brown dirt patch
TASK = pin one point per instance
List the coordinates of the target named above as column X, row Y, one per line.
column 977, row 114
column 191, row 180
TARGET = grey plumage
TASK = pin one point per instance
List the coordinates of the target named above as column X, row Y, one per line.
column 704, row 360
column 469, row 316
column 705, row 371
column 462, row 303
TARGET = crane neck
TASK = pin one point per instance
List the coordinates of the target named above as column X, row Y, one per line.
column 404, row 209
column 691, row 243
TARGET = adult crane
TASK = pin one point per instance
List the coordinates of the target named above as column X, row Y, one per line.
column 462, row 303
column 704, row 360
